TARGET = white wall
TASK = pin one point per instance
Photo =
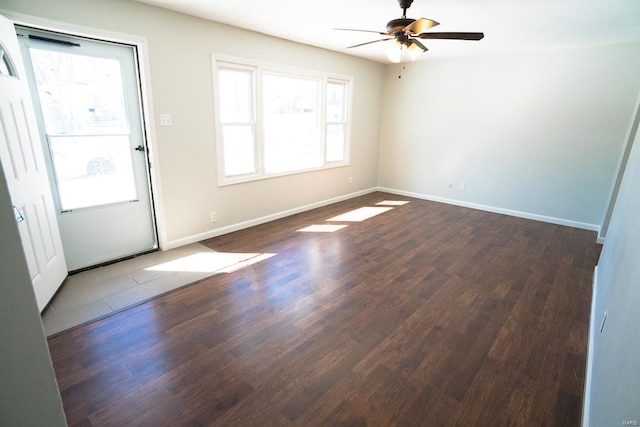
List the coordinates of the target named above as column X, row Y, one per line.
column 615, row 366
column 28, row 390
column 180, row 49
column 539, row 133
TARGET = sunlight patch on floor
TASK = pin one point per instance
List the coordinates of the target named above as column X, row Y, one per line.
column 203, row 262
column 322, row 228
column 246, row 263
column 360, row 214
column 392, row 202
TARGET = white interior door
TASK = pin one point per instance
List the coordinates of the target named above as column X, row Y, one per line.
column 24, row 167
column 90, row 119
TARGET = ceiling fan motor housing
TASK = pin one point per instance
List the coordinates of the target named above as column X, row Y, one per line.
column 396, row 25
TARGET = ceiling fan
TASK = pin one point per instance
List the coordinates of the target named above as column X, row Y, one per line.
column 406, row 32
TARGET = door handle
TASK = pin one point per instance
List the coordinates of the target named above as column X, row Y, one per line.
column 139, row 148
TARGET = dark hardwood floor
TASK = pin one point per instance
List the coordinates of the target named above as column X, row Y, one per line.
column 427, row 314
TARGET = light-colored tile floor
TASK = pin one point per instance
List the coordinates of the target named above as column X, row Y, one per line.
column 102, row 291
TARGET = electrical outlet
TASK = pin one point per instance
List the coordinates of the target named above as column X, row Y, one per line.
column 350, row 180
column 214, row 217
column 461, row 186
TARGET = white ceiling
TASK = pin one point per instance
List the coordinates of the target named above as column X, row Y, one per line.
column 508, row 25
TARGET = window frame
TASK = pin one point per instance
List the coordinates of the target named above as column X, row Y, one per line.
column 253, row 123
column 259, row 69
column 345, row 122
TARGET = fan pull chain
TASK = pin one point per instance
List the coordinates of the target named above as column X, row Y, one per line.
column 401, row 70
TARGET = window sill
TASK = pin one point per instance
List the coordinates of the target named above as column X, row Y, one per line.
column 241, row 179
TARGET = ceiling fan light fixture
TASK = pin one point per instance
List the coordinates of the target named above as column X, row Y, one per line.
column 398, row 49
column 395, row 51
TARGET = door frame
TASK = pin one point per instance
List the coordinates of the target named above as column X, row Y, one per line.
column 146, row 99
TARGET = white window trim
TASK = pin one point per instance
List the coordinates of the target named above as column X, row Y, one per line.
column 261, row 68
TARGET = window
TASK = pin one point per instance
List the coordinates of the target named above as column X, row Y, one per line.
column 237, row 119
column 272, row 122
column 336, row 123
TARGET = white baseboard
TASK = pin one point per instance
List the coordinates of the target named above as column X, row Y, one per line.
column 257, row 221
column 519, row 214
column 586, row 401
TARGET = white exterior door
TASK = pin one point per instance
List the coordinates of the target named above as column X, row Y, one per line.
column 24, row 167
column 89, row 109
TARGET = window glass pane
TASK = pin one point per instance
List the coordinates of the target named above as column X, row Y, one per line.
column 6, row 67
column 236, row 96
column 335, row 143
column 93, row 170
column 79, row 94
column 291, row 123
column 336, row 93
column 238, row 150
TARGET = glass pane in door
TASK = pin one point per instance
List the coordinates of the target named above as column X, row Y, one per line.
column 85, row 117
column 92, row 170
column 79, row 94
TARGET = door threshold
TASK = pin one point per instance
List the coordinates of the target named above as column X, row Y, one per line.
column 113, row 261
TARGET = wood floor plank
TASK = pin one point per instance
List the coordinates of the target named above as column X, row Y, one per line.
column 427, row 314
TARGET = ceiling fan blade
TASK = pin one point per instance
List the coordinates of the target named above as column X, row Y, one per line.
column 420, row 45
column 363, row 31
column 451, row 36
column 374, row 41
column 420, row 26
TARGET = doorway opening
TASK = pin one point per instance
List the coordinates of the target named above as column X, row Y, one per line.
column 88, row 101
